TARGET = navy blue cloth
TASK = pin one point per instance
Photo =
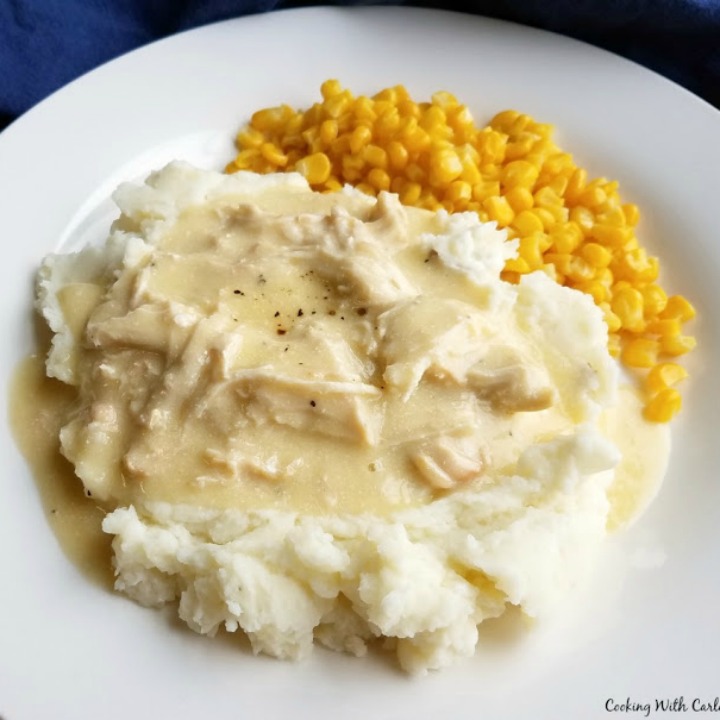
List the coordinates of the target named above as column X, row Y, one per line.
column 45, row 44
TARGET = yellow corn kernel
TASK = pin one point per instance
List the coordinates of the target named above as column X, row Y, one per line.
column 663, row 406
column 273, row 154
column 519, row 146
column 597, row 255
column 545, row 216
column 328, row 132
column 650, row 272
column 576, row 184
column 526, row 222
column 353, row 167
column 640, row 352
column 271, row 119
column 490, row 172
column 418, row 141
column 332, row 184
column 583, row 218
column 499, row 209
column 654, row 298
column 429, row 201
column 434, row 120
column 360, row 137
column 547, row 198
column 293, row 157
column 250, row 138
column 316, row 168
column 341, row 147
column 613, row 216
column 634, row 265
column 620, row 284
column 677, row 344
column 408, row 126
column 378, row 178
column 631, row 213
column 411, row 193
column 387, row 95
column 294, row 123
column 484, row 190
column 592, row 196
column 680, row 307
column 504, row 120
column 401, row 94
column 631, row 243
column 415, row 173
column 664, row 326
column 544, row 241
column 664, row 375
column 491, row 145
column 387, row 123
column 458, row 192
column 610, row 187
column 518, row 173
column 330, row 88
column 596, row 290
column 579, row 269
column 245, row 158
column 610, row 235
column 558, row 185
column 445, row 166
column 561, row 261
column 557, row 163
column 397, row 184
column 518, row 265
column 530, row 251
column 604, row 276
column 363, row 110
column 311, row 138
column 566, row 238
column 397, row 155
column 521, row 123
column 520, row 199
column 560, row 213
column 384, row 101
column 366, row 188
column 470, row 172
column 469, row 156
column 408, row 108
column 375, row 156
column 460, row 119
column 627, row 304
column 336, row 105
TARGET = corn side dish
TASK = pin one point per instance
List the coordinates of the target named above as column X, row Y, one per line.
column 433, row 155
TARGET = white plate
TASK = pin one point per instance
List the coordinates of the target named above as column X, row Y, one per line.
column 68, row 649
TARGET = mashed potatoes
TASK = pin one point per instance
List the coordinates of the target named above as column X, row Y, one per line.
column 325, row 417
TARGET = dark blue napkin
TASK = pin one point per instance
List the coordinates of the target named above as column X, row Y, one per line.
column 44, row 44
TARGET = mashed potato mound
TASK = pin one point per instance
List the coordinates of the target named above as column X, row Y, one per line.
column 436, row 456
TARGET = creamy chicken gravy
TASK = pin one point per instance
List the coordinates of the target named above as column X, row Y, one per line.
column 319, row 362
column 645, row 452
column 38, row 408
column 314, row 363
